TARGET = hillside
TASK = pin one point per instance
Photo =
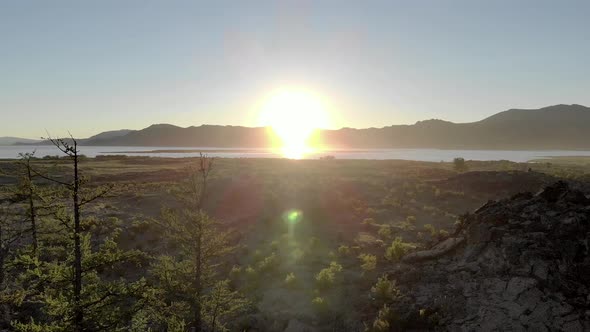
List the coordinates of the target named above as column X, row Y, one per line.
column 16, row 140
column 559, row 127
column 206, row 135
column 109, row 135
column 554, row 127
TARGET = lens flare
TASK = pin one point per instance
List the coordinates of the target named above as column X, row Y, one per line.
column 293, row 115
column 293, row 216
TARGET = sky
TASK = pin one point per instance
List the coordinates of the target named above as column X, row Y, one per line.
column 91, row 66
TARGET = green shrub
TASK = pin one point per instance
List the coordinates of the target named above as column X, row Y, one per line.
column 269, row 263
column 430, row 229
column 383, row 321
column 384, row 291
column 291, row 280
column 406, row 226
column 235, row 272
column 385, row 232
column 320, row 305
column 251, row 273
column 335, row 267
column 326, row 277
column 420, row 236
column 369, row 262
column 460, row 165
column 397, row 250
column 344, row 250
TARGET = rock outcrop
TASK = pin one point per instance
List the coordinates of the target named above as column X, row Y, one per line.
column 504, row 183
column 514, row 265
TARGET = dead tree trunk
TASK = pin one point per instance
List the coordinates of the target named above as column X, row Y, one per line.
column 78, row 313
column 32, row 210
column 200, row 192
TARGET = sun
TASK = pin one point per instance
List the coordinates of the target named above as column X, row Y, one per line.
column 293, row 115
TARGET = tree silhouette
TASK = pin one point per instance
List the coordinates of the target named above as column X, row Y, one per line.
column 191, row 275
column 68, row 280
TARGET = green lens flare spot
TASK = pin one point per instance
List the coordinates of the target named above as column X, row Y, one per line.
column 293, row 216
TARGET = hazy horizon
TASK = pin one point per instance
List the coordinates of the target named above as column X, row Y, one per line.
column 92, row 67
column 268, row 126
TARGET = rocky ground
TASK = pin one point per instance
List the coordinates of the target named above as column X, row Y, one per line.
column 518, row 264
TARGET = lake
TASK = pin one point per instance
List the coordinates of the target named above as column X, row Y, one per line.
column 10, row 152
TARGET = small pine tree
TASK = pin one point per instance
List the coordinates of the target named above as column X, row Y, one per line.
column 383, row 321
column 69, row 280
column 326, row 277
column 385, row 232
column 397, row 250
column 291, row 280
column 460, row 165
column 320, row 306
column 343, row 251
column 384, row 291
column 431, row 230
column 369, row 262
column 222, row 305
column 188, row 277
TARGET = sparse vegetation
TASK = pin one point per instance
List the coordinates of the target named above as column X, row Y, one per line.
column 147, row 224
column 368, row 262
column 384, row 291
column 344, row 251
column 320, row 306
column 383, row 321
column 396, row 250
column 430, row 229
column 326, row 277
column 459, row 164
column 385, row 232
column 291, row 280
column 268, row 264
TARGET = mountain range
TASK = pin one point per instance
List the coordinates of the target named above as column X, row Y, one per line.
column 7, row 140
column 554, row 127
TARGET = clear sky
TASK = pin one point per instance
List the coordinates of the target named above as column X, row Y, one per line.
column 90, row 66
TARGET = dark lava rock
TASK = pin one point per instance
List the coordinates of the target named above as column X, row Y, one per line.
column 519, row 264
column 554, row 192
column 505, row 183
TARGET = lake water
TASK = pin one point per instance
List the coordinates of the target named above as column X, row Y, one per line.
column 10, row 152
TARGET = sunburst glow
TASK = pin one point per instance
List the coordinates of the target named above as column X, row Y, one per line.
column 293, row 115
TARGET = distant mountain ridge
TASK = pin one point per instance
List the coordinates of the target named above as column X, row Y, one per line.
column 559, row 127
column 161, row 135
column 554, row 127
column 15, row 140
column 110, row 134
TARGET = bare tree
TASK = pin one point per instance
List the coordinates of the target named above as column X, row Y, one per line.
column 28, row 189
